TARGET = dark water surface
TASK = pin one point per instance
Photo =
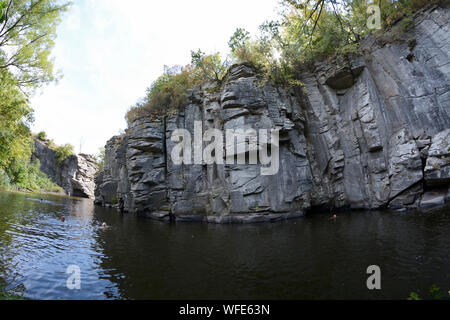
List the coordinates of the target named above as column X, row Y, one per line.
column 137, row 258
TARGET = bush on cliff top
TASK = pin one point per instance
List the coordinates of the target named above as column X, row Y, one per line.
column 42, row 136
column 166, row 94
column 169, row 92
column 313, row 30
column 307, row 30
column 63, row 152
column 100, row 158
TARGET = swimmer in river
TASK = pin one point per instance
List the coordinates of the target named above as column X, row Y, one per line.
column 63, row 219
column 104, row 226
column 333, row 217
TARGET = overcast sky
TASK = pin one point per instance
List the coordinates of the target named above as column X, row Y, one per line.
column 110, row 51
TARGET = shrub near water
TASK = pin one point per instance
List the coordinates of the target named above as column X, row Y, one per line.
column 27, row 176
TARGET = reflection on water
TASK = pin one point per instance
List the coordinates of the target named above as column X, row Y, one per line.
column 136, row 258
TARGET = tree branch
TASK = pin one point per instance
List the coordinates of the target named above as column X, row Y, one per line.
column 20, row 18
column 6, row 16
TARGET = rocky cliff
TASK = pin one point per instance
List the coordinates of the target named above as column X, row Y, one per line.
column 365, row 132
column 75, row 175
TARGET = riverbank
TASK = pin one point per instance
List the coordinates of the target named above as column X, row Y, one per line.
column 27, row 177
column 29, row 191
column 6, row 296
column 436, row 200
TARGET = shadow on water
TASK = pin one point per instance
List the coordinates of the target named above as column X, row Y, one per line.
column 136, row 258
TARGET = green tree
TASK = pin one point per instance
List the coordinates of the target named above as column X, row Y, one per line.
column 63, row 152
column 167, row 94
column 309, row 30
column 27, row 176
column 27, row 33
column 316, row 29
column 15, row 118
column 239, row 39
column 209, row 67
column 42, row 136
column 100, row 158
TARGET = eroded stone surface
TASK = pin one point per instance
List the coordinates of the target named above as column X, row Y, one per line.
column 366, row 132
column 437, row 170
column 75, row 175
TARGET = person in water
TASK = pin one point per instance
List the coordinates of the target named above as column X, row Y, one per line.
column 63, row 219
column 121, row 205
column 104, row 226
column 333, row 217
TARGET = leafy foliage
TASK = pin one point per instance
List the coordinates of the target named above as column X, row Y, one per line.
column 27, row 33
column 414, row 296
column 169, row 92
column 434, row 293
column 100, row 159
column 42, row 136
column 16, row 141
column 15, row 117
column 239, row 39
column 5, row 181
column 307, row 30
column 311, row 30
column 27, row 176
column 63, row 152
column 208, row 67
column 263, row 54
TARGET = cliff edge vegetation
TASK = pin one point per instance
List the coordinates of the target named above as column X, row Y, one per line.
column 306, row 32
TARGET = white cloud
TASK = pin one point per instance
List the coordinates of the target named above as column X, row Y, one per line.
column 111, row 50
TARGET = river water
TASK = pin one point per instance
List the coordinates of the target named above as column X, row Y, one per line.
column 137, row 258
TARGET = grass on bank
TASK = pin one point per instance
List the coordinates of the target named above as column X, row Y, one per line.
column 19, row 173
column 5, row 295
column 27, row 176
column 434, row 293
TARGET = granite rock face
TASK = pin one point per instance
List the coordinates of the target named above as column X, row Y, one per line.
column 370, row 131
column 437, row 170
column 380, row 128
column 141, row 176
column 75, row 175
